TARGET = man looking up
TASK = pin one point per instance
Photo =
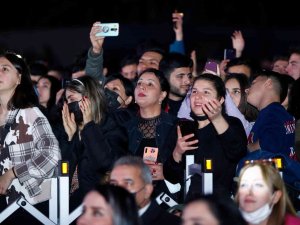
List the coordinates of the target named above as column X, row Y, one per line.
column 274, row 128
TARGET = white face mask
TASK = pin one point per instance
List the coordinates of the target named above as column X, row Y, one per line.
column 258, row 215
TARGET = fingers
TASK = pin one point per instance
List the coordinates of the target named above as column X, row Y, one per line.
column 65, row 112
column 72, row 118
column 191, row 148
column 212, row 107
column 148, row 162
column 85, row 104
column 157, row 171
column 188, row 136
column 179, row 135
column 96, row 28
column 190, row 143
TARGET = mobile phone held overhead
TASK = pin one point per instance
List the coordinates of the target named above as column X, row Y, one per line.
column 108, row 30
column 229, row 53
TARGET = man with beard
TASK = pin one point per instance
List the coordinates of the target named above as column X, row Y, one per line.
column 177, row 68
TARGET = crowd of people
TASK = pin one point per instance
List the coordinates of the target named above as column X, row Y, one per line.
column 126, row 135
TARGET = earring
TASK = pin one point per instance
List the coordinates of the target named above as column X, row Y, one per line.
column 159, row 102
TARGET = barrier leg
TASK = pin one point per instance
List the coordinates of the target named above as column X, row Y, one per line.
column 189, row 160
column 63, row 188
column 75, row 214
column 53, row 201
column 8, row 211
column 207, row 183
column 34, row 212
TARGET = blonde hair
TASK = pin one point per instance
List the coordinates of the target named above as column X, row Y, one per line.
column 90, row 87
column 274, row 181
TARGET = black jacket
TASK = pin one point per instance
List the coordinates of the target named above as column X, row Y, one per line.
column 163, row 130
column 225, row 150
column 100, row 146
column 155, row 215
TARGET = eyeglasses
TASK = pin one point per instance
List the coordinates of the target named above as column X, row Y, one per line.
column 275, row 162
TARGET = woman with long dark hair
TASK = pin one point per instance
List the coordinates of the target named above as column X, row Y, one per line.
column 29, row 151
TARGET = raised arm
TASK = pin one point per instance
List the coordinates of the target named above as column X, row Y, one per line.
column 178, row 44
column 238, row 42
column 94, row 63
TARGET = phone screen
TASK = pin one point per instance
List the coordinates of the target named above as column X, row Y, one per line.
column 212, row 67
column 150, row 154
column 229, row 53
column 188, row 127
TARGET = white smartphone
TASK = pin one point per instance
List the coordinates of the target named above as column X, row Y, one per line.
column 108, row 30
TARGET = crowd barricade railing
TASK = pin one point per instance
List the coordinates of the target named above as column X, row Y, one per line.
column 58, row 204
column 205, row 171
column 191, row 168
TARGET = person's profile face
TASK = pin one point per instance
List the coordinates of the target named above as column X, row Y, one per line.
column 44, row 89
column 129, row 71
column 293, row 68
column 198, row 213
column 253, row 191
column 9, row 75
column 256, row 91
column 96, row 211
column 279, row 66
column 129, row 177
column 73, row 96
column 148, row 60
column 234, row 89
column 118, row 87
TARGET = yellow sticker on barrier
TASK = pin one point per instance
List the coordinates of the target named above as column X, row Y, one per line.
column 64, row 168
column 208, row 164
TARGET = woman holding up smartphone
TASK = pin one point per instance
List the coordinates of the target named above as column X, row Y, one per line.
column 218, row 137
column 148, row 131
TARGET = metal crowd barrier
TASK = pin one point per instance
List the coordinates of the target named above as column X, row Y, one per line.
column 58, row 204
column 207, row 180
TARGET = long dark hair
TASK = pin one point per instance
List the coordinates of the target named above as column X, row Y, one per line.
column 90, row 87
column 222, row 208
column 24, row 95
column 217, row 83
column 54, row 88
column 122, row 202
column 249, row 111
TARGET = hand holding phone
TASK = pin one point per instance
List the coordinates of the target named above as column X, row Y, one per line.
column 108, row 30
column 150, row 154
column 188, row 127
column 177, row 17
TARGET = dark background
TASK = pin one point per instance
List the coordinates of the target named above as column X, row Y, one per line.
column 61, row 13
column 58, row 30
